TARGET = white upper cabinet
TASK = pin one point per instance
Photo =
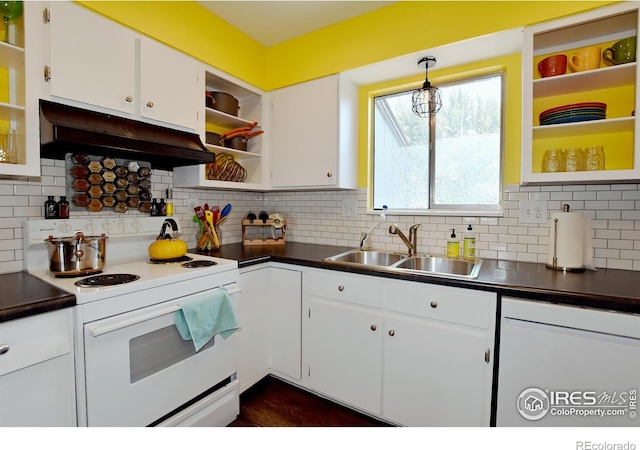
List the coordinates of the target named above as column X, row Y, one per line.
column 168, row 85
column 314, row 135
column 612, row 84
column 93, row 60
column 97, row 62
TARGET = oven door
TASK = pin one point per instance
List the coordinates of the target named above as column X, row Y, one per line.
column 140, row 372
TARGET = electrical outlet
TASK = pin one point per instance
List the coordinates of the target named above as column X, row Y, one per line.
column 349, row 206
column 533, row 211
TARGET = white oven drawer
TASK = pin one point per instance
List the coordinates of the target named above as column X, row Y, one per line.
column 138, row 368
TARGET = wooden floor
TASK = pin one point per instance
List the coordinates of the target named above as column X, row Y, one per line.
column 274, row 403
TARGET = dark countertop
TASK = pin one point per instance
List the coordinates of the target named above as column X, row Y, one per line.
column 609, row 289
column 24, row 295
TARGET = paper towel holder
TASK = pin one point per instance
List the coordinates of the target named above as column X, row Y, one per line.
column 554, row 260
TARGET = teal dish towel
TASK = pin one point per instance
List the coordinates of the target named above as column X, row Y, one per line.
column 206, row 315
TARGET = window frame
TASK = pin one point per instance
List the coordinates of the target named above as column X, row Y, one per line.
column 443, row 210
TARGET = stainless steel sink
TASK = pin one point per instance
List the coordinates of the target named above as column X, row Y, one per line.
column 417, row 264
column 441, row 265
column 367, row 257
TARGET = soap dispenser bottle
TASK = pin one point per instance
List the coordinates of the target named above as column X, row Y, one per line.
column 453, row 246
column 469, row 244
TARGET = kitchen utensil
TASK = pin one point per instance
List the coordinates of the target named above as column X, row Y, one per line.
column 251, row 217
column 222, row 101
column 168, row 246
column 76, row 255
column 226, row 210
column 210, row 226
column 264, row 216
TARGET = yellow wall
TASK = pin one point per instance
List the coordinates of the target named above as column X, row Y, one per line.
column 402, row 28
column 391, row 31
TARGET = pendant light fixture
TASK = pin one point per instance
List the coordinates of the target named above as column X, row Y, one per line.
column 427, row 100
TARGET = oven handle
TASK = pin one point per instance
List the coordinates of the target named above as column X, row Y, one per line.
column 96, row 331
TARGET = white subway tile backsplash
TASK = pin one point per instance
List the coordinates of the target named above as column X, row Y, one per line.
column 316, row 217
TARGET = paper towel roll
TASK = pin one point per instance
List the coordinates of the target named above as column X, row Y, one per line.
column 570, row 242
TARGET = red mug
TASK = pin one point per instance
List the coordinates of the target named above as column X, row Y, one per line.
column 553, row 65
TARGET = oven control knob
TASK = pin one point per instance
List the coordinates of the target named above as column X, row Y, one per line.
column 65, row 227
column 135, row 224
column 122, row 226
column 91, row 226
column 107, row 225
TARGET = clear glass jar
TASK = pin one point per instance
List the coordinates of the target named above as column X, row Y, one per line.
column 553, row 161
column 594, row 158
column 574, row 159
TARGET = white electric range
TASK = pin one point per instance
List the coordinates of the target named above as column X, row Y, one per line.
column 133, row 368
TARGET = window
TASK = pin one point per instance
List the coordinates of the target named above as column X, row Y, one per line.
column 449, row 162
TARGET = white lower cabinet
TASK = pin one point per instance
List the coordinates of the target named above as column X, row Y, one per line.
column 412, row 353
column 438, row 355
column 269, row 312
column 344, row 350
column 37, row 384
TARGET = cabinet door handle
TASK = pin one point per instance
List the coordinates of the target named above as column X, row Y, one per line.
column 374, row 327
column 434, row 304
column 392, row 333
column 4, row 348
column 150, row 104
column 329, row 174
column 47, row 73
column 128, row 98
column 341, row 288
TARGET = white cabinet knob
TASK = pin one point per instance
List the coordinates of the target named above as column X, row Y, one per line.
column 128, row 98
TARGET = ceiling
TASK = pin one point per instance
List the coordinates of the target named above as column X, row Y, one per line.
column 272, row 22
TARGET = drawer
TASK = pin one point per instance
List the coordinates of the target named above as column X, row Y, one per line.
column 35, row 339
column 450, row 304
column 359, row 289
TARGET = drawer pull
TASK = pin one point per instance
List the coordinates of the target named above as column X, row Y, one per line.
column 128, row 98
column 341, row 288
column 392, row 333
column 374, row 327
column 434, row 304
column 4, row 348
column 150, row 104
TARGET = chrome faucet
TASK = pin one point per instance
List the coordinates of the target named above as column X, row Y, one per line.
column 412, row 241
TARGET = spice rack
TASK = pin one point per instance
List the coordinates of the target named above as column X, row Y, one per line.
column 266, row 229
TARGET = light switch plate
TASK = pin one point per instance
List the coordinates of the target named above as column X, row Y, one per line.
column 349, row 206
column 532, row 211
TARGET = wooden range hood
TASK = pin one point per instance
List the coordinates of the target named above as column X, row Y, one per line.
column 67, row 129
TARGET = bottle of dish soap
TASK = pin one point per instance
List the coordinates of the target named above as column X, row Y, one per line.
column 453, row 246
column 469, row 245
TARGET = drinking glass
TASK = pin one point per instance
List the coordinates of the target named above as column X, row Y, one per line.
column 8, row 146
column 594, row 158
column 574, row 159
column 9, row 11
column 553, row 161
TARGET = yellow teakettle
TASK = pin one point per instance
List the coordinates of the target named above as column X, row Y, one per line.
column 166, row 246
